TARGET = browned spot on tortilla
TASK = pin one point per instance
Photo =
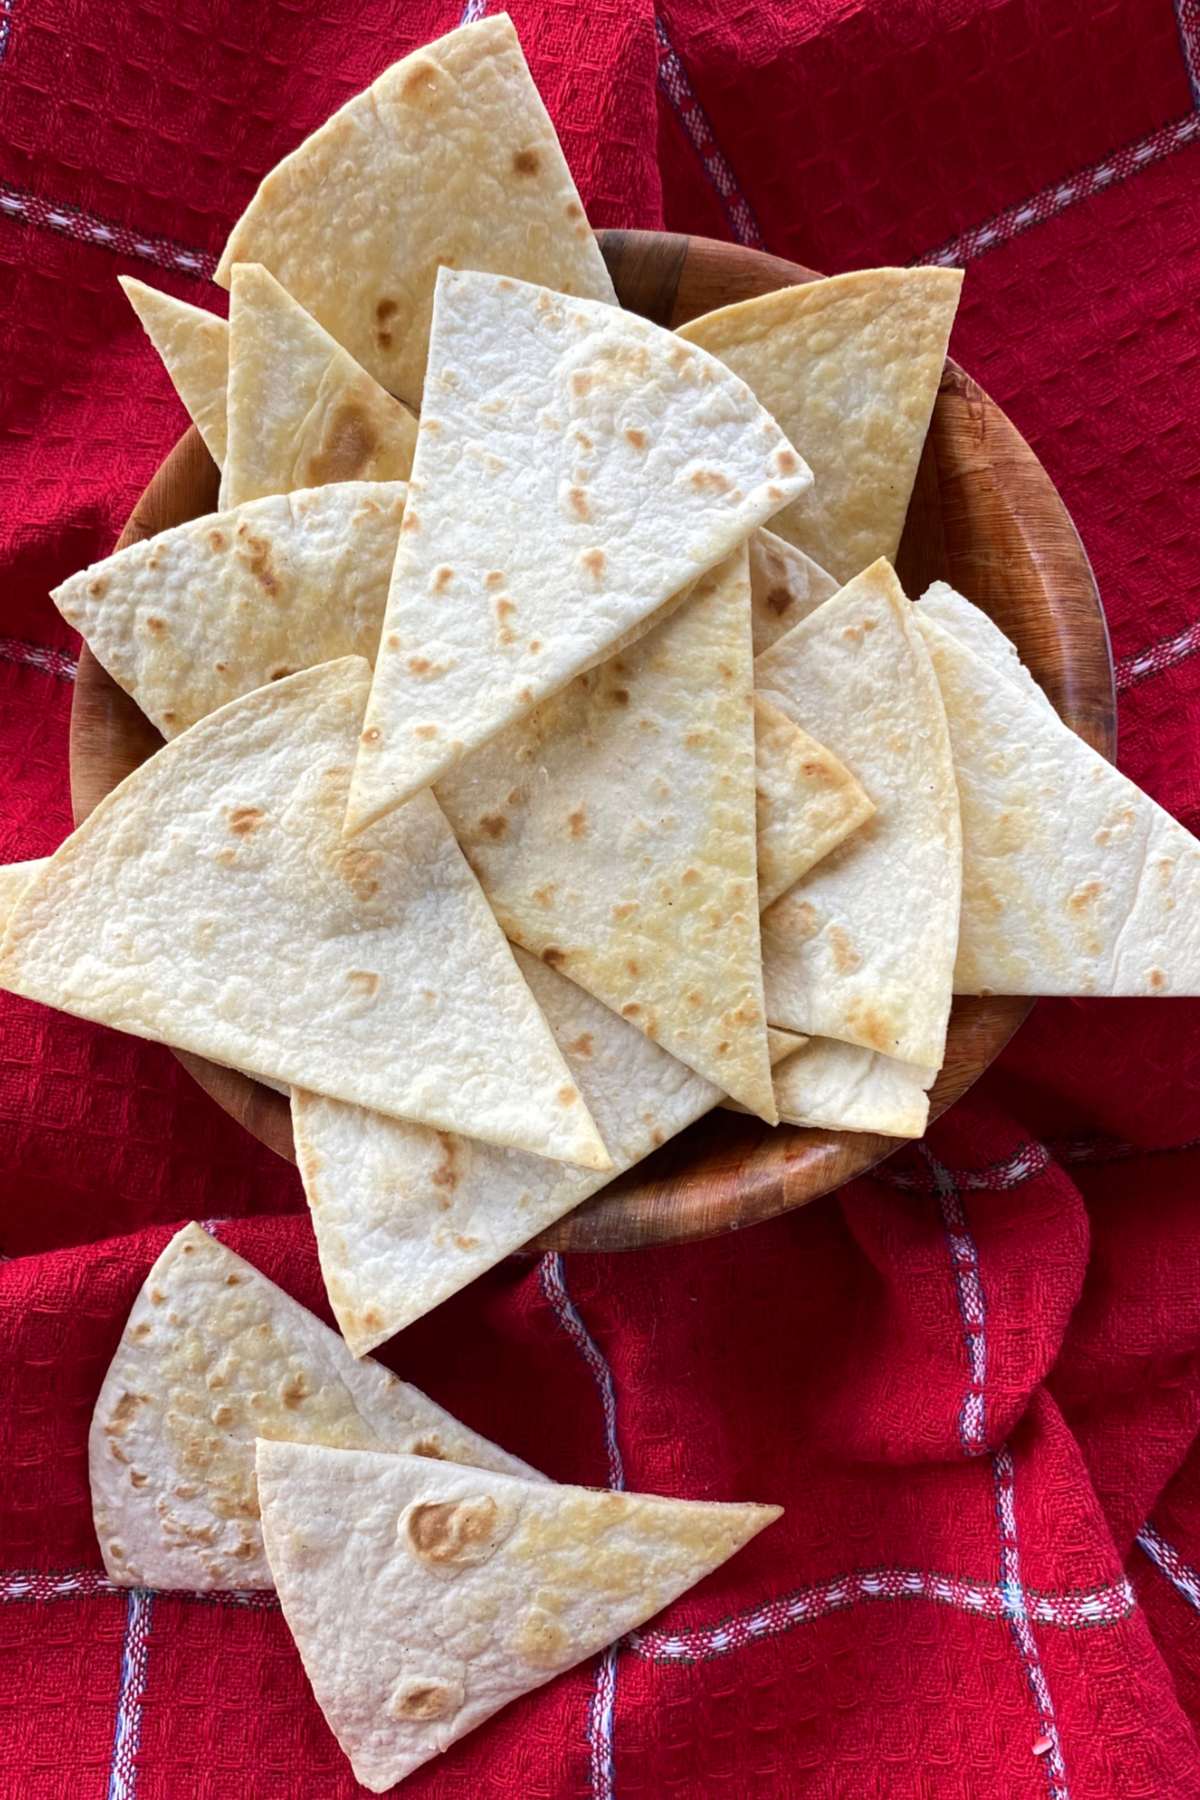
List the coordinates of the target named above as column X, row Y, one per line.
column 1084, row 896
column 142, row 1329
column 98, row 587
column 636, row 436
column 347, row 447
column 725, row 672
column 169, row 718
column 631, row 967
column 294, row 1388
column 244, row 819
column 410, row 521
column 709, row 481
column 681, row 356
column 582, row 1045
column 778, row 600
column 452, row 1533
column 526, row 696
column 281, row 673
column 364, row 982
column 222, row 1415
column 690, row 877
column 567, row 1096
column 577, row 822
column 593, row 562
column 869, row 624
column 494, row 825
column 494, row 578
column 578, row 502
column 232, row 1279
column 845, row 957
column 853, row 634
column 573, row 209
column 429, row 1447
column 619, row 696
column 424, row 1700
column 504, row 607
column 359, row 868
column 464, row 1242
column 623, row 909
column 425, row 731
column 786, row 460
column 370, row 736
column 419, row 665
column 1156, row 981
column 255, row 553
column 156, row 1298
column 385, row 309
column 581, row 382
column 155, row 626
column 122, row 1413
column 870, row 1026
column 553, row 957
column 526, row 162
column 814, row 767
column 657, row 1137
column 420, row 83
column 722, row 1048
column 541, row 1640
column 630, row 1010
column 774, row 492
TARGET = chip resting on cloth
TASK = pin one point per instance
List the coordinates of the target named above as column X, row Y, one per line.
column 850, row 367
column 1074, row 881
column 576, row 466
column 190, row 619
column 194, row 347
column 214, row 1355
column 614, row 833
column 862, row 949
column 300, row 411
column 449, row 157
column 211, row 902
column 785, row 586
column 468, row 1588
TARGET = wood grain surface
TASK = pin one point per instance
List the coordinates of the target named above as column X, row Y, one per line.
column 984, row 516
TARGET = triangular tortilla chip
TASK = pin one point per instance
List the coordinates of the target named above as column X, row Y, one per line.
column 14, row 879
column 575, row 468
column 468, row 1588
column 862, row 949
column 210, row 902
column 807, row 801
column 301, row 411
column 1074, row 881
column 190, row 619
column 850, row 367
column 214, row 1355
column 982, row 635
column 449, row 157
column 785, row 586
column 613, row 831
column 194, row 347
column 842, row 1087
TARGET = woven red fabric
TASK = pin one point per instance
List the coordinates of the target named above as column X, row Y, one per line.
column 973, row 1381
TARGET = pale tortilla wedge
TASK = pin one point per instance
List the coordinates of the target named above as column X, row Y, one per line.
column 850, row 367
column 1074, row 881
column 785, row 586
column 449, row 157
column 807, row 801
column 404, row 1216
column 194, row 347
column 862, row 949
column 576, row 466
column 469, row 1587
column 213, row 1355
column 972, row 626
column 14, row 879
column 613, row 832
column 300, row 411
column 190, row 619
column 842, row 1087
column 210, row 902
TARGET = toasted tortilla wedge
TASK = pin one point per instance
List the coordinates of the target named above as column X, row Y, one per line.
column 613, row 831
column 850, row 367
column 862, row 949
column 210, row 902
column 576, row 466
column 972, row 626
column 807, row 801
column 1074, row 881
column 190, row 619
column 194, row 347
column 301, row 412
column 785, row 586
column 449, row 157
column 470, row 1587
column 212, row 1355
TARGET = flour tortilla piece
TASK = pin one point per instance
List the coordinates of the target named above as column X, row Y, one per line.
column 807, row 801
column 842, row 1087
column 785, row 586
column 194, row 347
column 14, row 879
column 301, row 411
column 450, row 157
column 210, row 902
column 972, row 626
column 850, row 367
column 1074, row 881
column 190, row 619
column 576, row 466
column 470, row 1587
column 214, row 1355
column 862, row 949
column 613, row 832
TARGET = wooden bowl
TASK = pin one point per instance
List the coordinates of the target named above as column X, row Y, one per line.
column 984, row 516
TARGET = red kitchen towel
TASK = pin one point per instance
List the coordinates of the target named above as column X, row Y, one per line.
column 974, row 1381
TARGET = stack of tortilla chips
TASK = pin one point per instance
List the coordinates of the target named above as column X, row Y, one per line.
column 552, row 756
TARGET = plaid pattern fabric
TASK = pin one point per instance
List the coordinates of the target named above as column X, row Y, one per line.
column 973, row 1381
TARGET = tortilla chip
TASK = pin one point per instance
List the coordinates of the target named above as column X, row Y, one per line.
column 807, row 801
column 850, row 367
column 212, row 1355
column 1074, row 881
column 449, row 157
column 194, row 347
column 613, row 831
column 301, row 412
column 785, row 586
column 862, row 949
column 469, row 1588
column 188, row 620
column 576, row 466
column 210, row 902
